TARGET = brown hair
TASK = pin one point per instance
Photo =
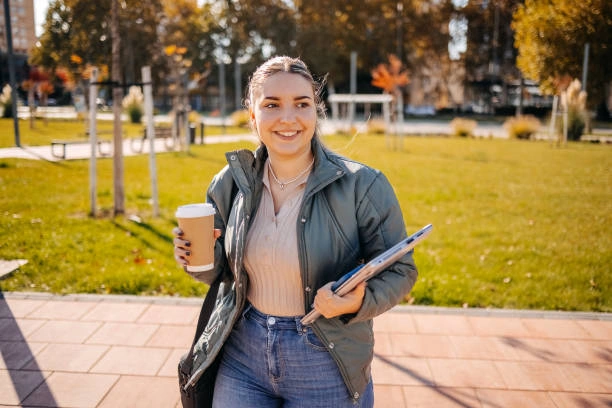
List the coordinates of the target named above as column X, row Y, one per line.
column 285, row 64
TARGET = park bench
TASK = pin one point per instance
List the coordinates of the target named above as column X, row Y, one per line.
column 161, row 132
column 58, row 147
column 596, row 138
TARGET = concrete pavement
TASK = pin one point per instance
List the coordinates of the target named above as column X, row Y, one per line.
column 83, row 150
column 122, row 351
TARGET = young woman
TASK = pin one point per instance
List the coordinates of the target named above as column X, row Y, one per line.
column 292, row 218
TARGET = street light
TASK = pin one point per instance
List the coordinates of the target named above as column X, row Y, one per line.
column 400, row 8
column 180, row 104
column 11, row 63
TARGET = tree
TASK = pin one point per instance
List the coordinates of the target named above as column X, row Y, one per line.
column 187, row 25
column 391, row 78
column 119, row 190
column 551, row 38
column 77, row 33
column 490, row 56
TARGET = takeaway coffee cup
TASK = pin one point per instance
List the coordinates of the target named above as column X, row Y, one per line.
column 197, row 223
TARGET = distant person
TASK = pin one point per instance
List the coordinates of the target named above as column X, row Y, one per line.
column 298, row 218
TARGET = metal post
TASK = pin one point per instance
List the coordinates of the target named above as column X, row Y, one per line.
column 585, row 66
column 222, row 92
column 93, row 94
column 553, row 117
column 399, row 39
column 148, row 105
column 237, row 85
column 585, row 71
column 11, row 62
column 353, row 87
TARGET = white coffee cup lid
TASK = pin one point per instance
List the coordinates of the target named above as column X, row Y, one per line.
column 195, row 210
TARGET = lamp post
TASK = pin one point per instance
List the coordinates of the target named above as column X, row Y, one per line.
column 11, row 63
column 179, row 66
column 400, row 9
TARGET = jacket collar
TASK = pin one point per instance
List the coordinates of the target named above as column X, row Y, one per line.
column 247, row 167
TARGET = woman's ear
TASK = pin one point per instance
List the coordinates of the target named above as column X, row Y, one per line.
column 252, row 118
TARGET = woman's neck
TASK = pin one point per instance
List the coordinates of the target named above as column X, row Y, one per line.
column 285, row 169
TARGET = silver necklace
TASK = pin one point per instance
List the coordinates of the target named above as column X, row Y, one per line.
column 283, row 184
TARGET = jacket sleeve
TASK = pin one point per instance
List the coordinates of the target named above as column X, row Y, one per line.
column 220, row 194
column 381, row 226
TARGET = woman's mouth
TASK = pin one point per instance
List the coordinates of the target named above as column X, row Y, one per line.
column 288, row 133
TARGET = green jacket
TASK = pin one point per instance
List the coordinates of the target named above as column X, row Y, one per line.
column 349, row 215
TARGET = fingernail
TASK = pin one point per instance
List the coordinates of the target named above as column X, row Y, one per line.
column 187, row 244
column 188, row 253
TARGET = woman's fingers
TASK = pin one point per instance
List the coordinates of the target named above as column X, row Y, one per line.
column 330, row 305
column 182, row 247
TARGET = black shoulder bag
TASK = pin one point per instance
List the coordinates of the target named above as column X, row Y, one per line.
column 200, row 394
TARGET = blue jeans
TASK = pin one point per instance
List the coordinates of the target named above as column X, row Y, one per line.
column 271, row 361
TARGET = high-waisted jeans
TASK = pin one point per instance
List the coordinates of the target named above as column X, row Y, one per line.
column 271, row 361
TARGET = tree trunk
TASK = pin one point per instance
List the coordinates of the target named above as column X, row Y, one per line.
column 117, row 99
column 32, row 105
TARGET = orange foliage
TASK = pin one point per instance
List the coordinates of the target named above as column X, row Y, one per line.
column 75, row 59
column 46, row 88
column 390, row 76
column 27, row 84
column 562, row 82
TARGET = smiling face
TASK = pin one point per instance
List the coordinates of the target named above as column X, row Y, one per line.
column 284, row 115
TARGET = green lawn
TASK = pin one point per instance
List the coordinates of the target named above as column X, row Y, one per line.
column 43, row 134
column 516, row 224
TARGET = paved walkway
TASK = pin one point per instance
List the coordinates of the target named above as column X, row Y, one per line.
column 122, row 352
column 83, row 150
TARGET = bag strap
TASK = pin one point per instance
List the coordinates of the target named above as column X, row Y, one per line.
column 207, row 308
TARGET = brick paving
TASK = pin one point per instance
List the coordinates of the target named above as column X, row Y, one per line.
column 93, row 351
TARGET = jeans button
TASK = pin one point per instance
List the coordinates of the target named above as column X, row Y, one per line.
column 271, row 321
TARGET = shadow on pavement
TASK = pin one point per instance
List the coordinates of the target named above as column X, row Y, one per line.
column 16, row 353
column 458, row 398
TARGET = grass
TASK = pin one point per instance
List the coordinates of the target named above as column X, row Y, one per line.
column 516, row 224
column 43, row 134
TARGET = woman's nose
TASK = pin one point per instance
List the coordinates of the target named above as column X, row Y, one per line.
column 288, row 115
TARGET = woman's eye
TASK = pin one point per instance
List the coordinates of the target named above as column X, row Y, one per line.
column 270, row 105
column 303, row 105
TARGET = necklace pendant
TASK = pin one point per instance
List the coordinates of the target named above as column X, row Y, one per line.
column 282, row 186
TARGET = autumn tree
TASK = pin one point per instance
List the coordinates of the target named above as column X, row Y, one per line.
column 490, row 56
column 77, row 33
column 391, row 78
column 551, row 38
column 184, row 24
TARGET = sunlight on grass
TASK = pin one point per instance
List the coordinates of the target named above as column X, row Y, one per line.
column 516, row 224
column 43, row 134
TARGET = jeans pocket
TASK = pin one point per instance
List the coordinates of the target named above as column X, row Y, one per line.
column 312, row 341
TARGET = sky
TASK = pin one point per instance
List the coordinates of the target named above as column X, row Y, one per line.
column 40, row 10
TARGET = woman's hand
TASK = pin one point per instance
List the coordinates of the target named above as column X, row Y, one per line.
column 331, row 305
column 182, row 247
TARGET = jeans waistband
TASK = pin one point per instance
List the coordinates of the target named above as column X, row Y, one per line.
column 273, row 322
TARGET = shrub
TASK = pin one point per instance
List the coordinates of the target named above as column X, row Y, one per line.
column 463, row 127
column 522, row 127
column 194, row 117
column 240, row 118
column 6, row 102
column 575, row 124
column 133, row 104
column 573, row 99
